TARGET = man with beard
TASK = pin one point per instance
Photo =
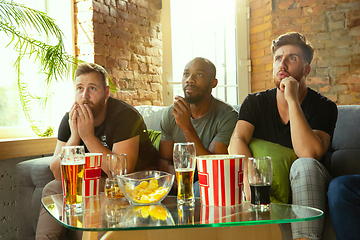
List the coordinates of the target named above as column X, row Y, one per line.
column 296, row 117
column 198, row 118
column 101, row 124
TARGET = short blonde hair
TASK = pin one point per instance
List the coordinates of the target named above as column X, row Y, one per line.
column 93, row 67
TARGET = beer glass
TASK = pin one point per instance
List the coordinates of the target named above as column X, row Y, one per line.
column 184, row 164
column 117, row 165
column 72, row 172
column 260, row 173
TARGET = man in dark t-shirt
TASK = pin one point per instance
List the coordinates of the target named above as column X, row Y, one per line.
column 294, row 116
column 103, row 125
column 122, row 122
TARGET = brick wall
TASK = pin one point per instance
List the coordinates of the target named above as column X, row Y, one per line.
column 124, row 36
column 333, row 28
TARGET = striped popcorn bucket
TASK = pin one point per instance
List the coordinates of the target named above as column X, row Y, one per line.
column 220, row 179
column 92, row 174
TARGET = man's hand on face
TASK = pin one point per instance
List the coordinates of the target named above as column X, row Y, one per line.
column 182, row 113
column 85, row 121
column 290, row 87
column 73, row 115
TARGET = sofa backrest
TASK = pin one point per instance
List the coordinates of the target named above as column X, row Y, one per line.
column 344, row 155
column 345, row 145
column 152, row 115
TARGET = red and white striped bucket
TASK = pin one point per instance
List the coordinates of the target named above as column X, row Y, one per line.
column 220, row 179
column 92, row 174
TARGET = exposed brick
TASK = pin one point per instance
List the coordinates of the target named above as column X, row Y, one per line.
column 101, row 8
column 337, row 71
column 113, row 12
column 325, row 89
column 348, row 79
column 337, row 16
column 123, row 15
column 110, row 21
column 285, row 5
column 256, row 21
column 121, row 5
column 255, row 4
column 317, row 80
column 156, row 87
column 260, row 28
column 355, row 31
column 336, row 25
column 98, row 17
column 123, row 64
column 122, row 84
column 353, row 23
column 132, row 8
column 308, row 3
column 100, row 60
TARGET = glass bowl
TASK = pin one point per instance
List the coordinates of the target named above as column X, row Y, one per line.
column 146, row 187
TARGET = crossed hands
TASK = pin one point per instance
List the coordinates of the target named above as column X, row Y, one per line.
column 182, row 113
column 81, row 121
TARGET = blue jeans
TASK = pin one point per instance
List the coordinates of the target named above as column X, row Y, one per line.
column 344, row 204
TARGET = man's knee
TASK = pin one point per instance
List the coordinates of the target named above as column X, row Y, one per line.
column 304, row 165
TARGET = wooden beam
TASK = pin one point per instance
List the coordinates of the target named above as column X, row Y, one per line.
column 27, row 147
column 254, row 232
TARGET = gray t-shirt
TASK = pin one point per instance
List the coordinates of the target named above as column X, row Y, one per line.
column 217, row 124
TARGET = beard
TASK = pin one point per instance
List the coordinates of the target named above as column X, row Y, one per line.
column 196, row 96
column 96, row 108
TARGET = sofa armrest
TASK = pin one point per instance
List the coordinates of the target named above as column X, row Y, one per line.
column 32, row 176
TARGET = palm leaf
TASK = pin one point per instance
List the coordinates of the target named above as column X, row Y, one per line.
column 22, row 16
column 54, row 61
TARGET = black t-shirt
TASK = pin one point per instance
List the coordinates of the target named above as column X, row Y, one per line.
column 122, row 122
column 260, row 109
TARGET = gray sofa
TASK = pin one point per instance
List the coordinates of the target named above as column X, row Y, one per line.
column 341, row 159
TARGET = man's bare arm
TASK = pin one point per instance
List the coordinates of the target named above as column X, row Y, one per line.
column 166, row 156
column 239, row 142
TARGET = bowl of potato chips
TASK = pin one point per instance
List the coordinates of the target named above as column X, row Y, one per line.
column 146, row 187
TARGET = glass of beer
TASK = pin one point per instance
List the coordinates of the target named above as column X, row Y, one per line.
column 260, row 173
column 72, row 172
column 117, row 165
column 184, row 158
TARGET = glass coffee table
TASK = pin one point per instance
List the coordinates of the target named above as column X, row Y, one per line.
column 118, row 216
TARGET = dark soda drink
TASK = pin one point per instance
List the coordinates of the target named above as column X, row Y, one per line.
column 260, row 194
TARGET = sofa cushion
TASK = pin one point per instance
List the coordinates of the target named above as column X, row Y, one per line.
column 282, row 158
column 32, row 176
column 155, row 138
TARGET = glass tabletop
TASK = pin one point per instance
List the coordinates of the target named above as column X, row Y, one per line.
column 103, row 214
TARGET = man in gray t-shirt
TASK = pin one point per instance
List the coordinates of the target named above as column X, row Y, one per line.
column 198, row 118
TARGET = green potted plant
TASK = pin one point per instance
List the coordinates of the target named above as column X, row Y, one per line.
column 54, row 62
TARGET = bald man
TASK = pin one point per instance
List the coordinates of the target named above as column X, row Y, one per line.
column 198, row 117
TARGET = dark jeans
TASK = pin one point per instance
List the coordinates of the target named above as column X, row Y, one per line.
column 344, row 203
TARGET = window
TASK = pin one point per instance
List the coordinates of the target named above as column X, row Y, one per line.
column 13, row 123
column 214, row 29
